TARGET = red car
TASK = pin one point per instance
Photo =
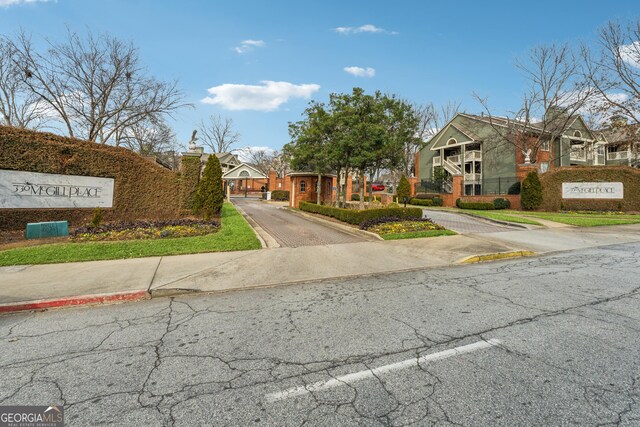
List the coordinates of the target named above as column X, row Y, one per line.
column 377, row 187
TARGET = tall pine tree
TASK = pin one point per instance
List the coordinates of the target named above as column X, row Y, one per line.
column 210, row 194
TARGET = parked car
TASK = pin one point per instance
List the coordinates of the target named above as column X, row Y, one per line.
column 377, row 187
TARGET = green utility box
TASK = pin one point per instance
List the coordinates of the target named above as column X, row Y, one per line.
column 39, row 230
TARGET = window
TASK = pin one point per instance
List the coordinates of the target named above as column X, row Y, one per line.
column 544, row 166
column 303, row 186
column 544, row 146
column 577, row 134
column 452, row 141
column 244, row 173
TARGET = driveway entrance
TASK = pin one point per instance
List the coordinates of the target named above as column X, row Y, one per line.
column 465, row 224
column 292, row 230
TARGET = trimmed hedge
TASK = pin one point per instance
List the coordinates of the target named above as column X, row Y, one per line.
column 552, row 188
column 357, row 217
column 356, row 198
column 280, row 195
column 426, row 195
column 422, row 202
column 501, row 203
column 143, row 189
column 481, row 206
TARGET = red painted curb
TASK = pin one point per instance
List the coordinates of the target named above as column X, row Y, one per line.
column 72, row 301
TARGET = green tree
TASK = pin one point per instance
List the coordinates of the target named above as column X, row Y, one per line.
column 209, row 197
column 404, row 189
column 531, row 192
column 353, row 132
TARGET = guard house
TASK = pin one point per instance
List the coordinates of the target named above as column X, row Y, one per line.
column 244, row 179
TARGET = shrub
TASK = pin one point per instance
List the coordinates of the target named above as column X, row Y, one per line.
column 96, row 220
column 422, row 202
column 356, row 217
column 437, row 201
column 404, row 189
column 426, row 195
column 355, row 197
column 392, row 205
column 501, row 203
column 531, row 192
column 209, row 197
column 515, row 188
column 483, row 206
column 280, row 195
column 458, row 202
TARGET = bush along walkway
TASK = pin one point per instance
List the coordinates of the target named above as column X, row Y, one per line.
column 389, row 223
column 235, row 234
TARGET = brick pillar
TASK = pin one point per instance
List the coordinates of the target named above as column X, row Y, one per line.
column 413, row 183
column 523, row 170
column 292, row 195
column 349, row 187
column 272, row 183
column 457, row 183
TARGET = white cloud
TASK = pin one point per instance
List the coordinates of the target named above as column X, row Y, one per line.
column 7, row 3
column 247, row 45
column 360, row 72
column 630, row 54
column 367, row 28
column 267, row 96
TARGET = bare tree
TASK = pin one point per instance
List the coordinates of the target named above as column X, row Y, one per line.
column 264, row 159
column 614, row 71
column 431, row 120
column 281, row 163
column 151, row 137
column 218, row 133
column 555, row 94
column 19, row 107
column 95, row 85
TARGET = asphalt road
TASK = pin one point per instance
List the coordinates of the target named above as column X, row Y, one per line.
column 289, row 229
column 546, row 341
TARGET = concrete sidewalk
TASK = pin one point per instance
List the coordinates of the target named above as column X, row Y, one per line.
column 36, row 286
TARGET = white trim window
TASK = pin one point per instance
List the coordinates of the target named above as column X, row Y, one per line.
column 544, row 166
column 303, row 186
column 545, row 146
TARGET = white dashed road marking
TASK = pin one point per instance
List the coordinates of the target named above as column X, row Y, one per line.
column 369, row 373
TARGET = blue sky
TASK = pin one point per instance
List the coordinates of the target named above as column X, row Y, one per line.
column 423, row 51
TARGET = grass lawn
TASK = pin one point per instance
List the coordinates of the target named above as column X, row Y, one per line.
column 501, row 216
column 578, row 219
column 581, row 219
column 234, row 235
column 418, row 234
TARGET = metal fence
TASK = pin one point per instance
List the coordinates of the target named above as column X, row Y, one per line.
column 482, row 187
column 434, row 186
column 489, row 186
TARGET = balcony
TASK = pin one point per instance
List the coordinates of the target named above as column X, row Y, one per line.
column 473, row 156
column 437, row 161
column 618, row 155
column 578, row 154
column 472, row 178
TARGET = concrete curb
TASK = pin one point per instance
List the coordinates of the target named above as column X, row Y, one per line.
column 266, row 240
column 344, row 228
column 496, row 256
column 96, row 299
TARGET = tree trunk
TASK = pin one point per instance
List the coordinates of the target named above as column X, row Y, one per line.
column 362, row 184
